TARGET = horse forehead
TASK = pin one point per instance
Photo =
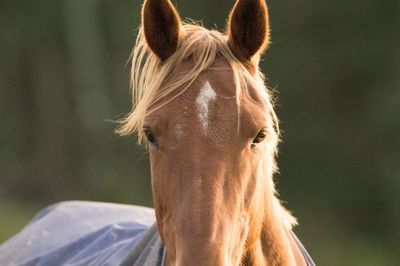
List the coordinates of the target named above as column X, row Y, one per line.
column 205, row 110
column 209, row 106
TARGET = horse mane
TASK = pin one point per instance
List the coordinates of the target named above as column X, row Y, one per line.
column 150, row 83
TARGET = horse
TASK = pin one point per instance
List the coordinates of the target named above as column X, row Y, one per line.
column 201, row 105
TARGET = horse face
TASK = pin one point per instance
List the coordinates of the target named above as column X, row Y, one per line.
column 206, row 175
column 205, row 145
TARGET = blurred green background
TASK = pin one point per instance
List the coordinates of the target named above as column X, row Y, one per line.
column 335, row 64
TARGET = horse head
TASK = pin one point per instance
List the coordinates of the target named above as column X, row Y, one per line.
column 201, row 105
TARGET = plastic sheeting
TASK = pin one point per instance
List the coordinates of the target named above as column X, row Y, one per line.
column 86, row 233
column 91, row 233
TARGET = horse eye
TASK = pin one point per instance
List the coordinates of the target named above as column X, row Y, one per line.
column 150, row 136
column 261, row 135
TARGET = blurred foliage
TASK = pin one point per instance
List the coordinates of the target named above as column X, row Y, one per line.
column 63, row 78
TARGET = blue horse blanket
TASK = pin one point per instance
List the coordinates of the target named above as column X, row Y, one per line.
column 86, row 233
column 82, row 233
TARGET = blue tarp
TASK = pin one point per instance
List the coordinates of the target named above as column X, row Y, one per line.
column 86, row 233
column 83, row 233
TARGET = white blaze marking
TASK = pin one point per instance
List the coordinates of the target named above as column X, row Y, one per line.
column 206, row 95
column 178, row 130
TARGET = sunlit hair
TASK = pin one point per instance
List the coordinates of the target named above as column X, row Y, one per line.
column 150, row 79
column 151, row 82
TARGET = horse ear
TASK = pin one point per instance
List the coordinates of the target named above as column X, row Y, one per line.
column 248, row 28
column 161, row 26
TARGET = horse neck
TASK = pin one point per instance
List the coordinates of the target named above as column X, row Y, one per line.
column 273, row 244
